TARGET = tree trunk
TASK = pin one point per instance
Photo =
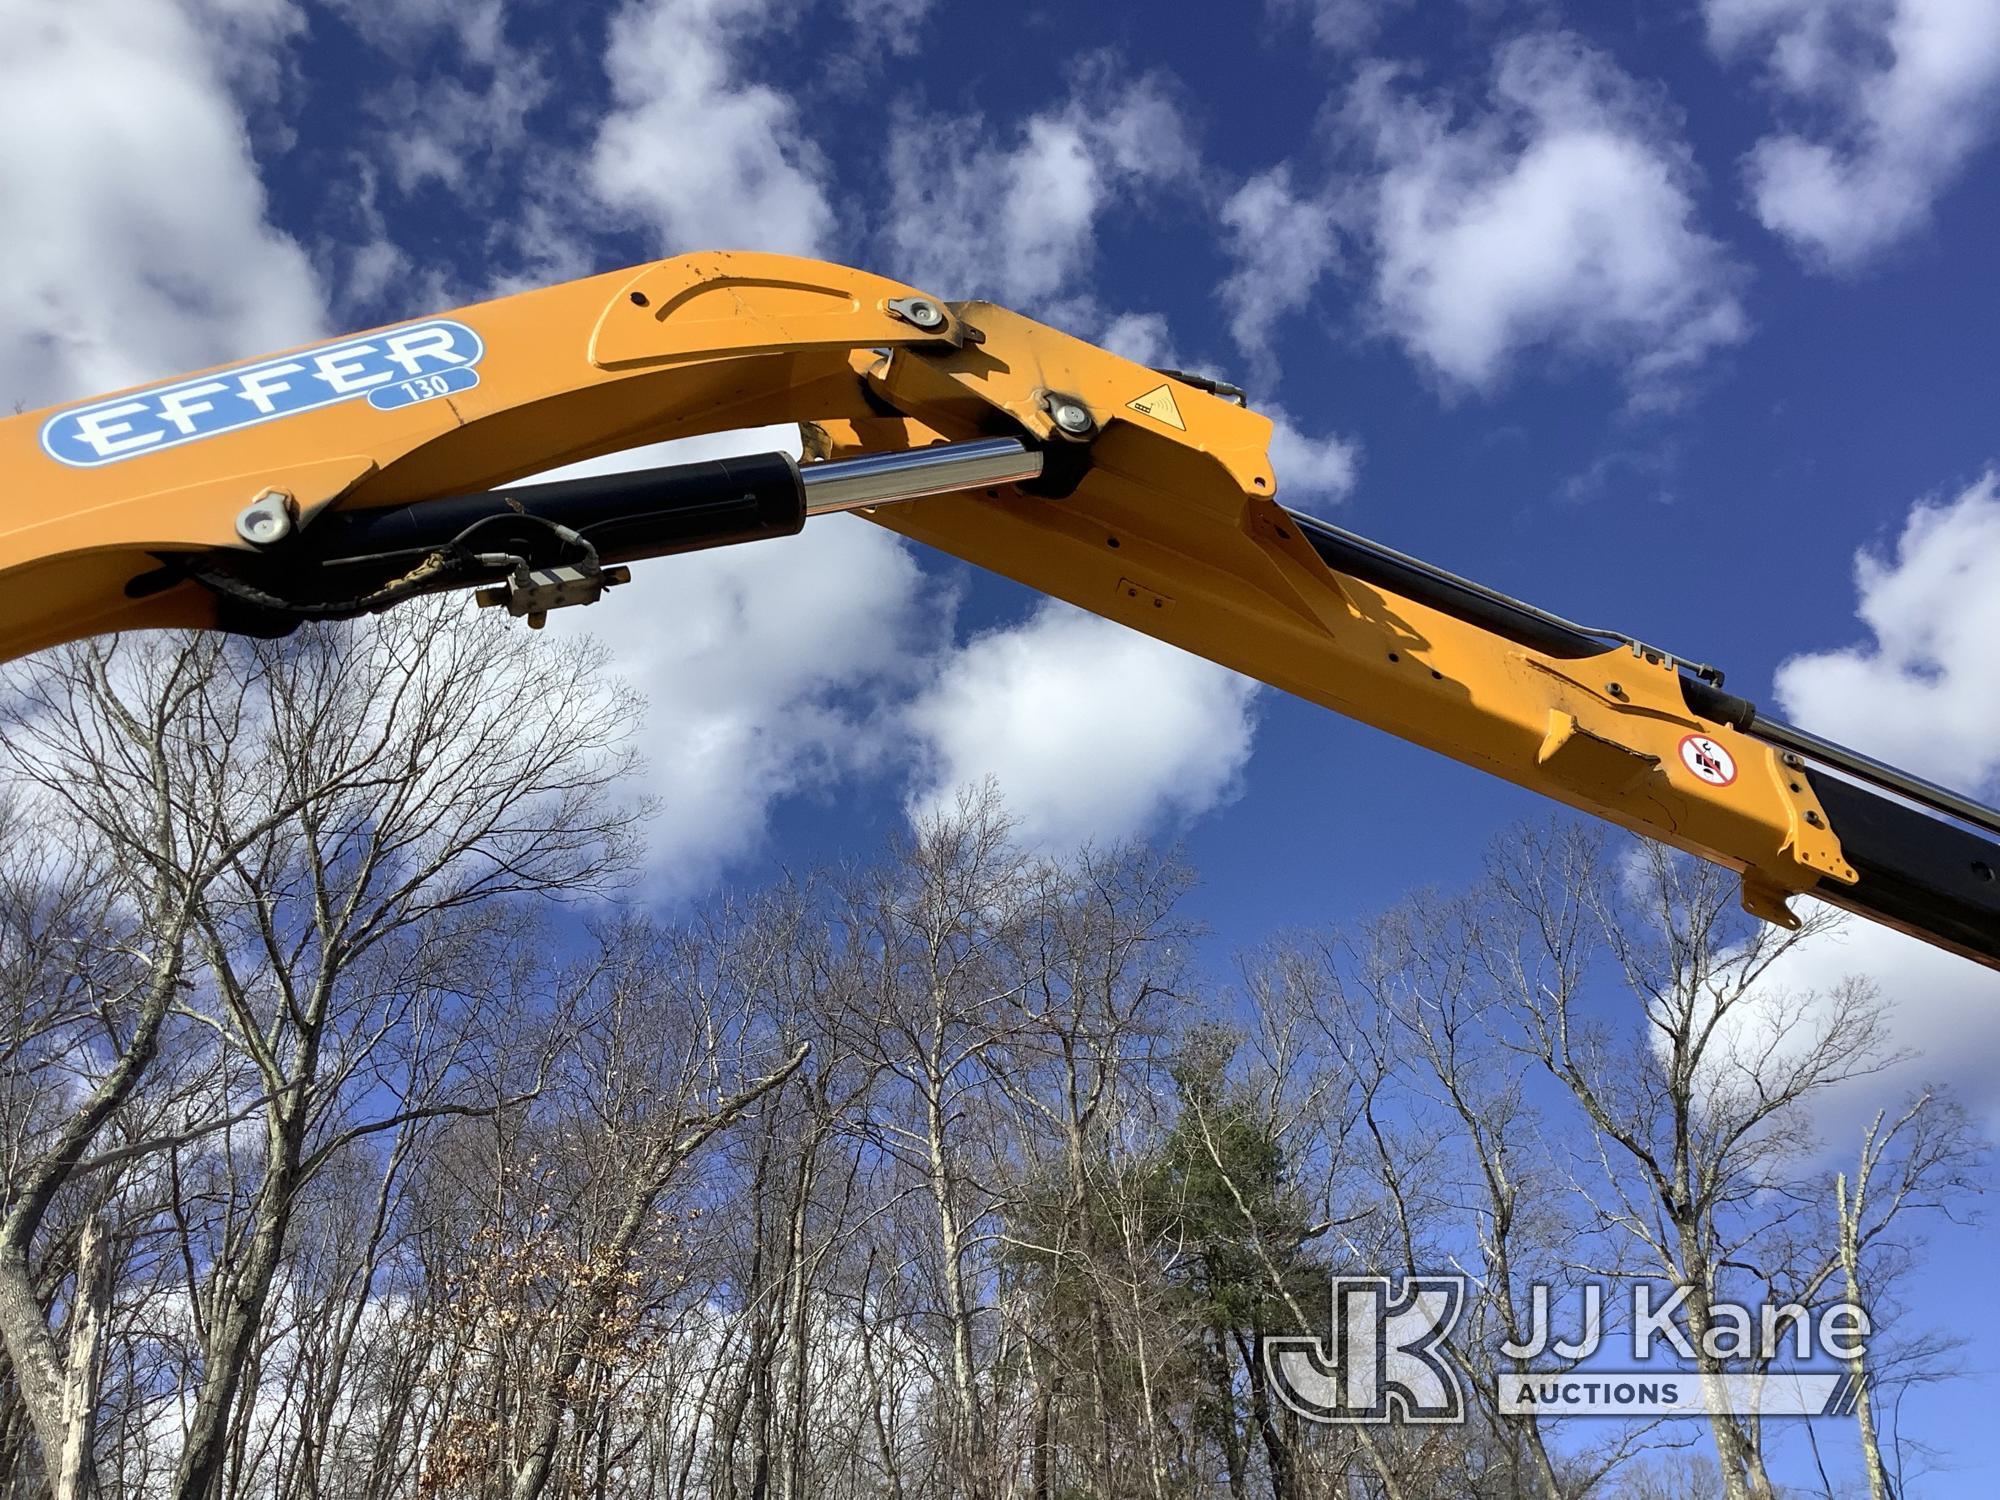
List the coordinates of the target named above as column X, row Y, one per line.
column 1215, row 1355
column 38, row 1367
column 1849, row 1214
column 24, row 1328
column 1743, row 1475
column 971, row 1444
column 1277, row 1453
column 553, row 1402
column 76, row 1467
column 234, row 1325
column 1148, row 1405
column 1041, row 1428
column 795, row 1396
column 880, row 1414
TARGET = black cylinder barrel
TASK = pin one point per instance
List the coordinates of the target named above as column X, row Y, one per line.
column 642, row 513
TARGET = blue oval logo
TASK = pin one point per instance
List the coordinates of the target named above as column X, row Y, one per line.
column 396, row 368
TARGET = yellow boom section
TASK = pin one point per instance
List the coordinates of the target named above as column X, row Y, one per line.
column 1172, row 526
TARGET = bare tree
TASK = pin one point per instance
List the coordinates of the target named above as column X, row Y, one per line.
column 1928, row 1158
column 104, row 870
column 307, row 830
column 1469, row 1158
column 943, row 924
column 1103, row 960
column 1700, row 1111
column 945, row 1175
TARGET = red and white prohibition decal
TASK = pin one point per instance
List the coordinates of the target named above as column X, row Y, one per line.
column 1708, row 760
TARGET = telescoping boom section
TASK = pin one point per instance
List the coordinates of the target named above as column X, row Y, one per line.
column 337, row 479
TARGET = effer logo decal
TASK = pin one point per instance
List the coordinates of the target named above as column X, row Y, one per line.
column 395, row 368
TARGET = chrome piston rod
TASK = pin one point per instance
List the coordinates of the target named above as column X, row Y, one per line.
column 886, row 478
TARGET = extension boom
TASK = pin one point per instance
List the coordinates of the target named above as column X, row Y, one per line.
column 341, row 478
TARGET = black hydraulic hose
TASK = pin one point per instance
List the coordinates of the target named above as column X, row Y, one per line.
column 1461, row 598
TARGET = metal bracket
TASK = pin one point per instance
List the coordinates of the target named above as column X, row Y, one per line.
column 533, row 592
column 267, row 520
column 918, row 312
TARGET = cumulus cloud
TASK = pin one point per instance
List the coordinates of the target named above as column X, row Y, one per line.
column 139, row 243
column 476, row 28
column 769, row 670
column 1091, row 730
column 1560, row 217
column 1897, row 97
column 464, row 114
column 1342, row 25
column 1143, row 338
column 452, row 132
column 1014, row 218
column 1312, row 472
column 1942, row 1013
column 774, row 670
column 247, row 40
column 1919, row 693
column 892, row 26
column 1281, row 242
column 692, row 149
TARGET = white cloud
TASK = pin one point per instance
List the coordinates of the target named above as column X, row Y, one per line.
column 460, row 117
column 1560, row 218
column 477, row 28
column 138, row 243
column 451, row 131
column 1281, row 243
column 1920, row 694
column 246, row 39
column 1312, row 471
column 770, row 670
column 1091, row 730
column 1143, row 338
column 692, row 150
column 1942, row 1012
column 1342, row 25
column 1017, row 222
column 892, row 26
column 1903, row 92
column 774, row 670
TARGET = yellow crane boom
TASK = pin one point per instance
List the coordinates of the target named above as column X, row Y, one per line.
column 336, row 479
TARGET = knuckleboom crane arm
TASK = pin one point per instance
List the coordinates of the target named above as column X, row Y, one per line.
column 337, row 479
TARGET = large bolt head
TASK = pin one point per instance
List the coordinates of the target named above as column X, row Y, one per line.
column 1070, row 417
column 920, row 312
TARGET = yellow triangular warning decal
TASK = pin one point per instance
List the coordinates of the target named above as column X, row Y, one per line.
column 1159, row 405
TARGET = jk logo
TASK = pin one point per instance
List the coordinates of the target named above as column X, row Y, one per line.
column 1382, row 1358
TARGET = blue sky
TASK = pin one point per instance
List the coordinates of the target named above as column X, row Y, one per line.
column 1677, row 317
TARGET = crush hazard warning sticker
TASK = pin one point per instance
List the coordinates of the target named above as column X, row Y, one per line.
column 1159, row 404
column 1708, row 760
